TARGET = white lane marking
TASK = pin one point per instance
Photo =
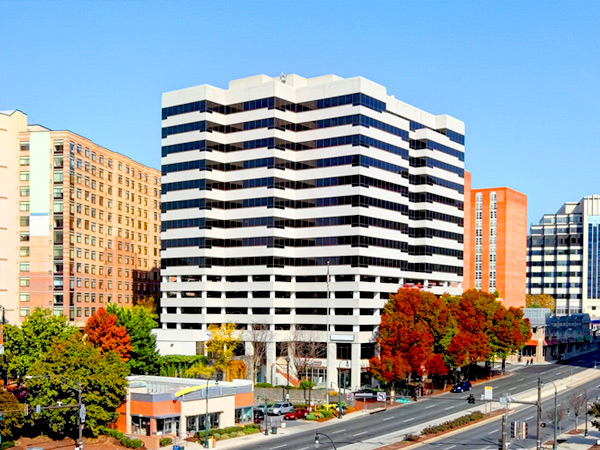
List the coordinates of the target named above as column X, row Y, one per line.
column 341, row 431
column 433, row 406
column 409, row 420
column 529, row 418
column 452, row 446
column 464, row 396
column 558, row 373
column 520, row 379
column 358, row 434
column 449, row 407
column 279, row 446
column 388, row 418
column 304, row 448
column 492, row 432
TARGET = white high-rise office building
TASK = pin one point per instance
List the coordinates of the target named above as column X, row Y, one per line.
column 563, row 257
column 285, row 197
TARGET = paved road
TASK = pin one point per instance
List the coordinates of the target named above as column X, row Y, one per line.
column 350, row 431
column 486, row 437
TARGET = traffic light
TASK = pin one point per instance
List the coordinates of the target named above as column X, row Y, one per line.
column 524, row 430
column 513, row 429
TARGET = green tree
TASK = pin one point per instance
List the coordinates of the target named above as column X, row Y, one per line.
column 26, row 344
column 13, row 415
column 56, row 378
column 139, row 323
column 540, row 301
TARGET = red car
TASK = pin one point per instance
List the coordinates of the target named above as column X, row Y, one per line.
column 295, row 415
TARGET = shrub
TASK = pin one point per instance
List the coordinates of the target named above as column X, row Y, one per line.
column 325, row 413
column 217, row 436
column 263, row 385
column 450, row 424
column 411, row 437
column 251, row 430
column 312, row 416
column 131, row 443
column 165, row 441
column 7, row 444
column 240, row 434
column 222, row 437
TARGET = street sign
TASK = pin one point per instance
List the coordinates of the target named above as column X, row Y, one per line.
column 82, row 412
column 488, row 393
column 350, row 396
column 503, row 401
column 381, row 396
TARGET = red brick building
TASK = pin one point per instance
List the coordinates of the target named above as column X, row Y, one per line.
column 496, row 242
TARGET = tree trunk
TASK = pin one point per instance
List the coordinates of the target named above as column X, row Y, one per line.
column 503, row 365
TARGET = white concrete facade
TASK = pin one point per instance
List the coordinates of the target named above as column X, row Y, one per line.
column 274, row 183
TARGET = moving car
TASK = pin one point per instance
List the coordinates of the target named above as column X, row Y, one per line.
column 462, row 386
column 280, row 408
column 295, row 415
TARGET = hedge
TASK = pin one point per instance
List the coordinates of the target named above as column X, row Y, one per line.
column 451, row 424
column 165, row 441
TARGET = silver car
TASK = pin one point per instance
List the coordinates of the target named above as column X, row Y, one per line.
column 280, row 408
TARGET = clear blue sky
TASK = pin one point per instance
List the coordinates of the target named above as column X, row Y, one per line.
column 523, row 76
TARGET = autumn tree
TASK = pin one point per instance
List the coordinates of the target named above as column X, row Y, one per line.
column 102, row 331
column 139, row 323
column 509, row 333
column 13, row 416
column 474, row 312
column 540, row 301
column 219, row 350
column 25, row 344
column 56, row 377
column 411, row 323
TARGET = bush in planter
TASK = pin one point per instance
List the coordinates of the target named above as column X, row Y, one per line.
column 7, row 444
column 223, row 437
column 251, row 430
column 240, row 434
column 165, row 441
column 217, row 436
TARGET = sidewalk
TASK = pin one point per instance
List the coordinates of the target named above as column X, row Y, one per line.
column 259, row 440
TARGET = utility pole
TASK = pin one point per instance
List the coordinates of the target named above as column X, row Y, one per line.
column 539, row 416
column 504, row 444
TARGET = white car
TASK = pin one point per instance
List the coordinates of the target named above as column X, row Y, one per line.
column 280, row 408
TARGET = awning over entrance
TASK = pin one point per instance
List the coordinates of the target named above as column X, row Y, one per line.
column 532, row 343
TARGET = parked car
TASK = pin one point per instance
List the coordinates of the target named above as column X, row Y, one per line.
column 462, row 386
column 295, row 415
column 280, row 408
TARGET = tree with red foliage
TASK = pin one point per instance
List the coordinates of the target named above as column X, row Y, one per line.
column 510, row 332
column 406, row 337
column 103, row 332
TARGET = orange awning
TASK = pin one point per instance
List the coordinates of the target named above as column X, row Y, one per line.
column 531, row 342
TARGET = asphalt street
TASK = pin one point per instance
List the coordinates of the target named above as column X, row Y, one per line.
column 371, row 427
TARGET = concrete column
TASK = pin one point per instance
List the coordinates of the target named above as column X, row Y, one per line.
column 355, row 365
column 271, row 357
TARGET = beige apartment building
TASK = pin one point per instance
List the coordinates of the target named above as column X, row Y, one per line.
column 80, row 224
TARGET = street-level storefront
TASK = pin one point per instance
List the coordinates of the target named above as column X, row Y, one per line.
column 159, row 407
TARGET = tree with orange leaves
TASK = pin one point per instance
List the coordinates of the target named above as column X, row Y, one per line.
column 406, row 336
column 103, row 332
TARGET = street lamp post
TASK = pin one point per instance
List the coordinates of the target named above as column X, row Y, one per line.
column 554, row 445
column 318, row 437
column 206, row 418
column 287, row 361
